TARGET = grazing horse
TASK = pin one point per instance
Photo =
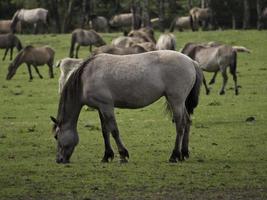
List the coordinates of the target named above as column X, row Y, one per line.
column 215, row 57
column 99, row 23
column 131, row 81
column 166, row 41
column 5, row 26
column 34, row 56
column 146, row 34
column 84, row 38
column 30, row 16
column 200, row 16
column 185, row 22
column 124, row 20
column 134, row 49
column 8, row 42
column 126, row 41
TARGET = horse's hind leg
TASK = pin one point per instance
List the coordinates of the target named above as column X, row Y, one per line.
column 111, row 125
column 212, row 81
column 225, row 78
column 178, row 111
column 5, row 54
column 109, row 154
column 77, row 50
column 185, row 150
column 37, row 71
column 50, row 66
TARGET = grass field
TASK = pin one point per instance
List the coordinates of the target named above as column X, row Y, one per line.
column 228, row 157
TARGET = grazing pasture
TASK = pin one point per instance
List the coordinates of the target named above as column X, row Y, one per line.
column 228, row 141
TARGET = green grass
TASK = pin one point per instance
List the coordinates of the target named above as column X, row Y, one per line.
column 228, row 155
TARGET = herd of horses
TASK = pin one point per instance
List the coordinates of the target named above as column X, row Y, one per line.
column 132, row 72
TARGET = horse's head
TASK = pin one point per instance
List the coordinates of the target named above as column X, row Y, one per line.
column 67, row 139
column 11, row 71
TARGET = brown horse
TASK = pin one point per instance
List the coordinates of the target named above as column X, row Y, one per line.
column 181, row 23
column 8, row 42
column 34, row 56
column 84, row 38
column 5, row 26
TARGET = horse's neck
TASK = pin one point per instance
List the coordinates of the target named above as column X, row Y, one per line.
column 19, row 59
column 69, row 111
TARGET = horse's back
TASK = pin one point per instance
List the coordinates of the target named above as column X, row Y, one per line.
column 140, row 79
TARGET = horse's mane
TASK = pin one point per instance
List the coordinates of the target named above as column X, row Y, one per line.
column 72, row 88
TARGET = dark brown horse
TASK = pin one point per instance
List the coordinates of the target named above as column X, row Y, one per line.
column 8, row 42
column 83, row 37
column 33, row 56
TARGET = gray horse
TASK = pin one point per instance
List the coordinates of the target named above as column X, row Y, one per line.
column 99, row 23
column 181, row 23
column 30, row 16
column 34, row 56
column 8, row 42
column 201, row 17
column 130, row 81
column 166, row 41
column 84, row 38
column 215, row 57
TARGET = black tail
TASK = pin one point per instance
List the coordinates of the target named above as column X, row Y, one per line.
column 193, row 97
column 233, row 63
column 73, row 40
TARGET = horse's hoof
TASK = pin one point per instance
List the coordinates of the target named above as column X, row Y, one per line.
column 236, row 92
column 109, row 155
column 123, row 160
column 172, row 160
column 124, row 154
column 185, row 154
column 222, row 92
column 207, row 92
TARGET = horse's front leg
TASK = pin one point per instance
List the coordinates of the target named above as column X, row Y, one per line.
column 37, row 71
column 185, row 148
column 212, row 81
column 35, row 28
column 225, row 78
column 110, row 120
column 30, row 71
column 5, row 54
column 109, row 154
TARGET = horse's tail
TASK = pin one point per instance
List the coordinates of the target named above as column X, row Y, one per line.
column 73, row 40
column 193, row 97
column 172, row 26
column 241, row 49
column 233, row 63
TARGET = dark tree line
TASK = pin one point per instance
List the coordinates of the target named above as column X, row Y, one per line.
column 65, row 15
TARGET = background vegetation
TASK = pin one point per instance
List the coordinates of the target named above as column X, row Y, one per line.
column 65, row 15
column 228, row 154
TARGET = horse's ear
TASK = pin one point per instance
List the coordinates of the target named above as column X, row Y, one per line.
column 54, row 120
